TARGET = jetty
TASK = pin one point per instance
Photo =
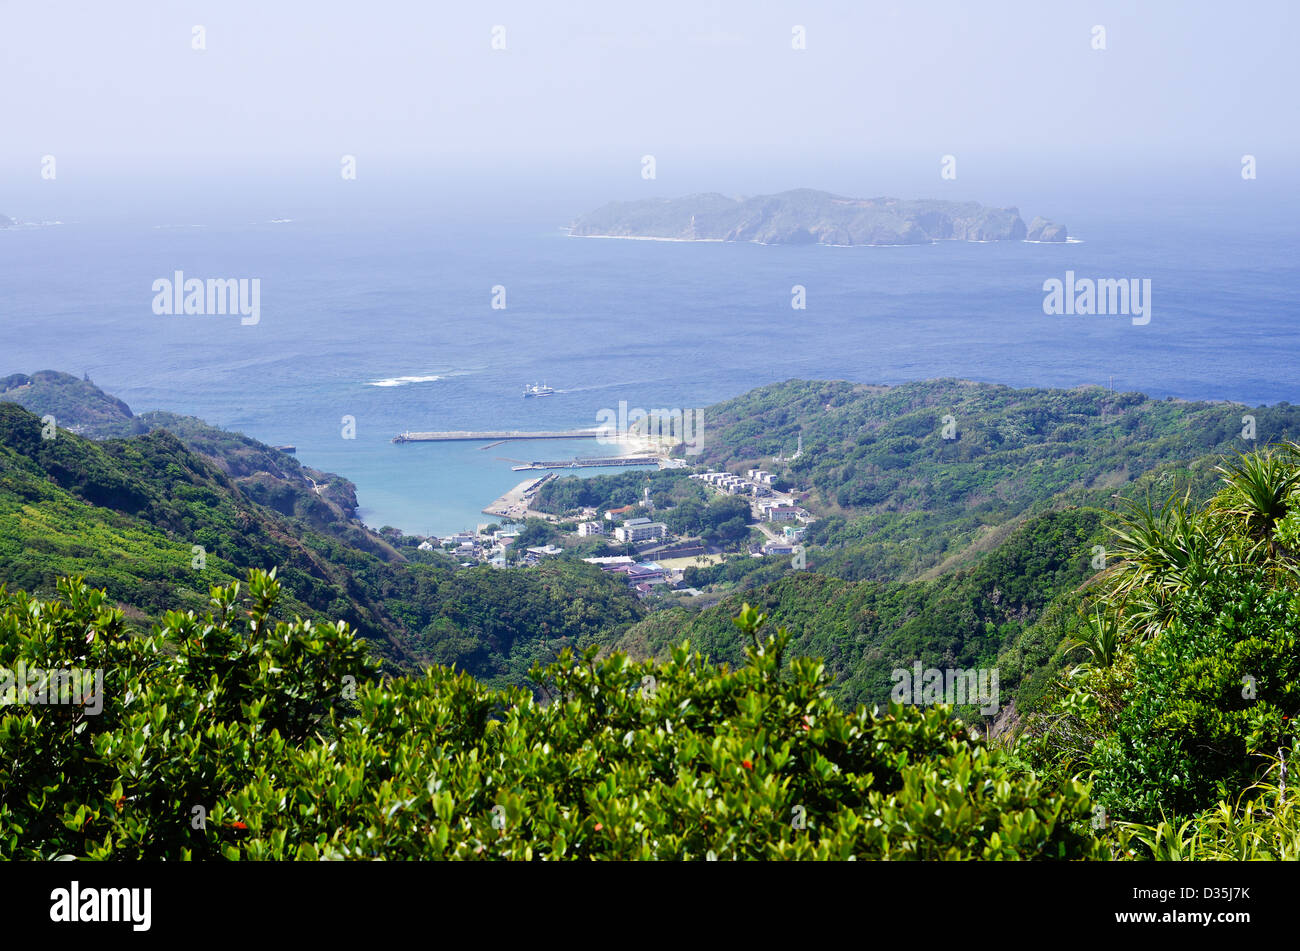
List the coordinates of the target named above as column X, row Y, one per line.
column 585, row 463
column 503, row 435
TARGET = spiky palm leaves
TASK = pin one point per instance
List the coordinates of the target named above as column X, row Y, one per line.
column 1166, row 552
column 1259, row 490
column 1162, row 554
column 1099, row 635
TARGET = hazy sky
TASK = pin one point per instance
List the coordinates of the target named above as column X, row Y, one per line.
column 117, row 87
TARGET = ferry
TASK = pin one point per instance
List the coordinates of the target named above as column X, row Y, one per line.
column 538, row 389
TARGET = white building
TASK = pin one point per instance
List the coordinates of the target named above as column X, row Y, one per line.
column 639, row 530
column 611, row 562
column 590, row 528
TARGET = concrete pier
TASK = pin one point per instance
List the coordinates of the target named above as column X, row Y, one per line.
column 498, row 434
column 591, row 463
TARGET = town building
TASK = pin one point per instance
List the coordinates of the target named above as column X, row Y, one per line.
column 612, row 562
column 648, row 573
column 640, row 530
column 545, row 551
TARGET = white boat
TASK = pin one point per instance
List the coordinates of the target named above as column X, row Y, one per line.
column 538, row 389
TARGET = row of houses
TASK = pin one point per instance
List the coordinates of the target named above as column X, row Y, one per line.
column 731, row 484
column 769, row 507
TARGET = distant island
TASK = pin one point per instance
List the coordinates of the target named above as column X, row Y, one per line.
column 6, row 222
column 807, row 216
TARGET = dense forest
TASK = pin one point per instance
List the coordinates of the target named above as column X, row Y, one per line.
column 993, row 613
column 914, row 477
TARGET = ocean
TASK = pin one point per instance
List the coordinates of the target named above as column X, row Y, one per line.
column 390, row 321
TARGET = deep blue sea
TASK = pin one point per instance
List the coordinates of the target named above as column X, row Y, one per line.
column 349, row 302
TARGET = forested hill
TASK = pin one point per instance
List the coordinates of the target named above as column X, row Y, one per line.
column 157, row 524
column 908, row 476
column 1011, row 610
column 325, row 500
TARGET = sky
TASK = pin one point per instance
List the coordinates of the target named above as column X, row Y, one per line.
column 581, row 91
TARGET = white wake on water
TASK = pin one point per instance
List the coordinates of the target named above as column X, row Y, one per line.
column 403, row 380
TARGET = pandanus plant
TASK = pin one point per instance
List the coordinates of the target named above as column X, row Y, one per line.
column 1100, row 635
column 1259, row 490
column 1167, row 551
column 1163, row 553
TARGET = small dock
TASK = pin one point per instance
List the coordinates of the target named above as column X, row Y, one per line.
column 590, row 463
column 503, row 435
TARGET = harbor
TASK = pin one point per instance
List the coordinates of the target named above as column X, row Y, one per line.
column 469, row 436
column 585, row 463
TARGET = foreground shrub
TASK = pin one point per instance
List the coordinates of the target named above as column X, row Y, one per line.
column 244, row 738
column 1264, row 825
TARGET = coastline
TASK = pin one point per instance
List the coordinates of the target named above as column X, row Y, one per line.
column 765, row 244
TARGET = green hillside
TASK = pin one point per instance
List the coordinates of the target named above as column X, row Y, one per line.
column 131, row 515
column 984, row 615
column 898, row 498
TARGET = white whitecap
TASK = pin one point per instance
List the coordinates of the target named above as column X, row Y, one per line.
column 403, row 380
